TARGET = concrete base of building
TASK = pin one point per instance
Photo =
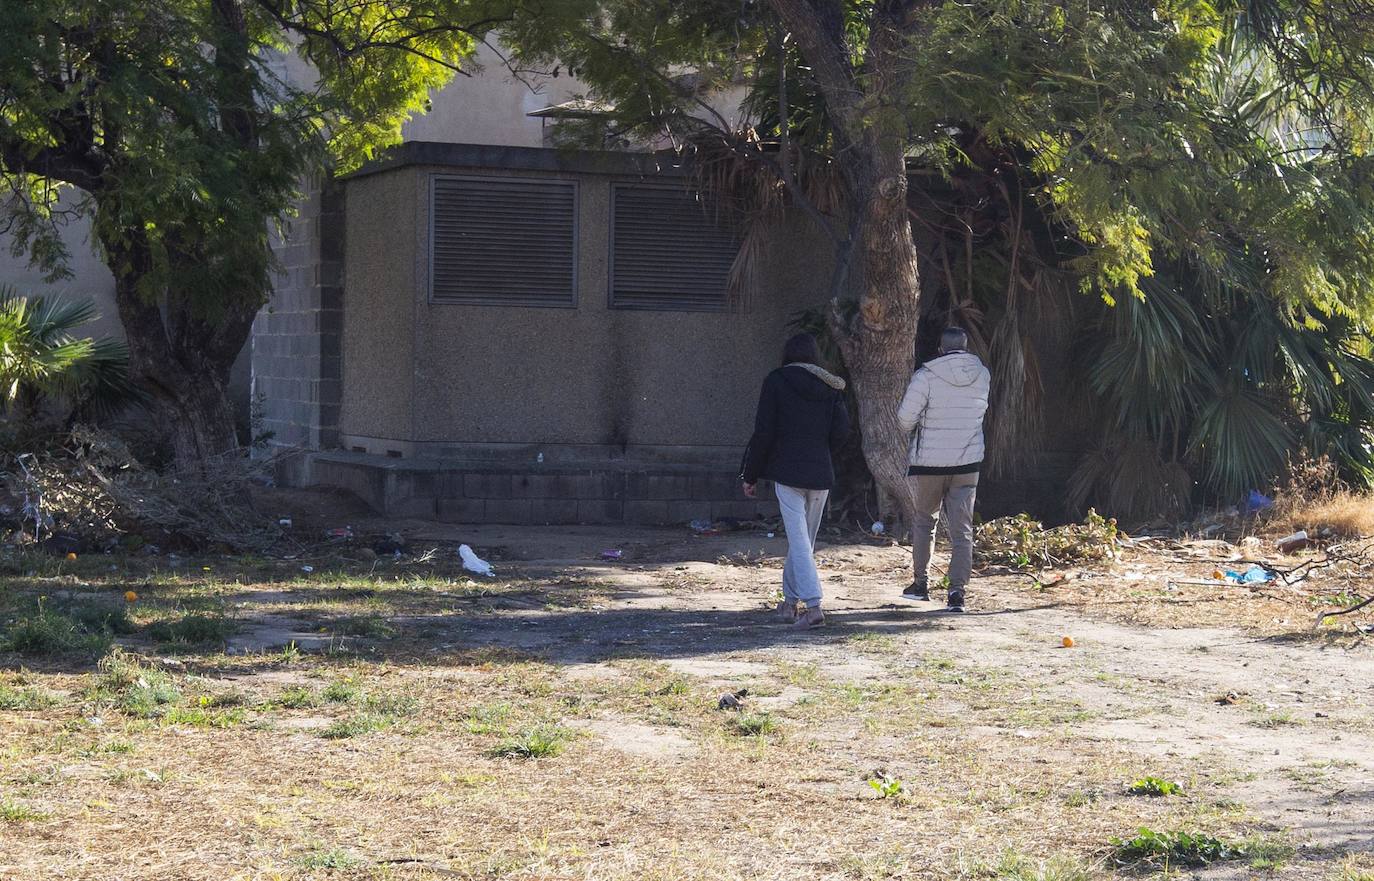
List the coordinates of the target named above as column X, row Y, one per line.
column 634, row 490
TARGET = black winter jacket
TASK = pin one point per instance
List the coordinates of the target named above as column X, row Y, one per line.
column 801, row 416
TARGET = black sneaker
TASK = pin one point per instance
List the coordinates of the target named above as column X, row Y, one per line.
column 917, row 592
column 955, row 603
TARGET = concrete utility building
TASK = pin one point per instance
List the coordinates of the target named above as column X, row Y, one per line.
column 485, row 328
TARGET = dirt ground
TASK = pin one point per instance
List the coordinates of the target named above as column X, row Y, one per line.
column 375, row 718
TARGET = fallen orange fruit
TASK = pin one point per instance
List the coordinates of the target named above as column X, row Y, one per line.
column 130, row 596
column 1068, row 642
column 71, row 555
column 1217, row 575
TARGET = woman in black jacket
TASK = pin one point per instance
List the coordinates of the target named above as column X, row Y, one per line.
column 802, row 414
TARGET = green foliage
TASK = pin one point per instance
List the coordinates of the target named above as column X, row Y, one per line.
column 25, row 698
column 193, row 630
column 334, row 858
column 134, row 688
column 1024, row 543
column 1155, row 786
column 298, row 697
column 64, row 630
column 887, row 786
column 540, row 742
column 43, row 357
column 354, row 726
column 1176, row 848
column 753, row 724
column 1202, row 169
column 15, row 812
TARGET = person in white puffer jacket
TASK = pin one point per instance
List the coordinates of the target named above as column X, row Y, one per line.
column 942, row 412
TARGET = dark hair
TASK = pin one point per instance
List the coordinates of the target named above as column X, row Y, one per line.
column 953, row 339
column 801, row 349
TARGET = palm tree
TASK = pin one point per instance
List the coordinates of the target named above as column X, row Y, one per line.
column 44, row 359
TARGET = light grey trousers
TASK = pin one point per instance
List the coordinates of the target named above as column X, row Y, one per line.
column 956, row 494
column 801, row 518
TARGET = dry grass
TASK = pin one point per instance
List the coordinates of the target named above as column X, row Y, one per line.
column 455, row 745
column 1343, row 514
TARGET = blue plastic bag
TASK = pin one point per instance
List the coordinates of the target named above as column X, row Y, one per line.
column 1253, row 575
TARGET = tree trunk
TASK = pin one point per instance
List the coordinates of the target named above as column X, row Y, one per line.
column 880, row 349
column 865, row 107
column 183, row 362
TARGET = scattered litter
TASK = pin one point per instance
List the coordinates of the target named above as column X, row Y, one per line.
column 878, row 527
column 1257, row 501
column 1253, row 575
column 732, row 700
column 307, row 569
column 474, row 563
column 1363, row 627
column 772, row 534
column 612, row 554
column 284, row 522
column 539, row 458
column 1230, row 698
column 342, row 533
column 1295, row 542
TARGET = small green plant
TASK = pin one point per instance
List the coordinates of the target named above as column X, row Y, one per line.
column 136, row 689
column 14, row 812
column 489, row 719
column 673, row 687
column 1155, row 786
column 50, row 632
column 1268, row 853
column 533, row 743
column 290, row 654
column 194, row 630
column 298, row 697
column 199, row 717
column 340, row 692
column 354, row 726
column 1277, row 719
column 334, row 858
column 753, row 724
column 25, row 698
column 887, row 786
column 1176, row 848
column 393, row 704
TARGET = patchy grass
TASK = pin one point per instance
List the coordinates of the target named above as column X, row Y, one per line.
column 46, row 631
column 14, row 812
column 326, row 765
column 1016, row 866
column 25, row 698
column 298, row 697
column 134, row 688
column 333, row 858
column 753, row 724
column 355, row 726
column 194, row 630
column 540, row 742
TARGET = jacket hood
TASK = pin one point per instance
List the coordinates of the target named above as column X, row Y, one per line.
column 959, row 369
column 815, row 383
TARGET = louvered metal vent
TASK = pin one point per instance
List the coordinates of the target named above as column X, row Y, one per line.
column 667, row 252
column 503, row 241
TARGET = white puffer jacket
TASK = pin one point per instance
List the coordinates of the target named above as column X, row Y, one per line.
column 944, row 407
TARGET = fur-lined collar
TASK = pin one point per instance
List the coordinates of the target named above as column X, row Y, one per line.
column 820, row 373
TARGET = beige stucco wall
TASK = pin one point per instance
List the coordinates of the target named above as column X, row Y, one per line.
column 589, row 375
